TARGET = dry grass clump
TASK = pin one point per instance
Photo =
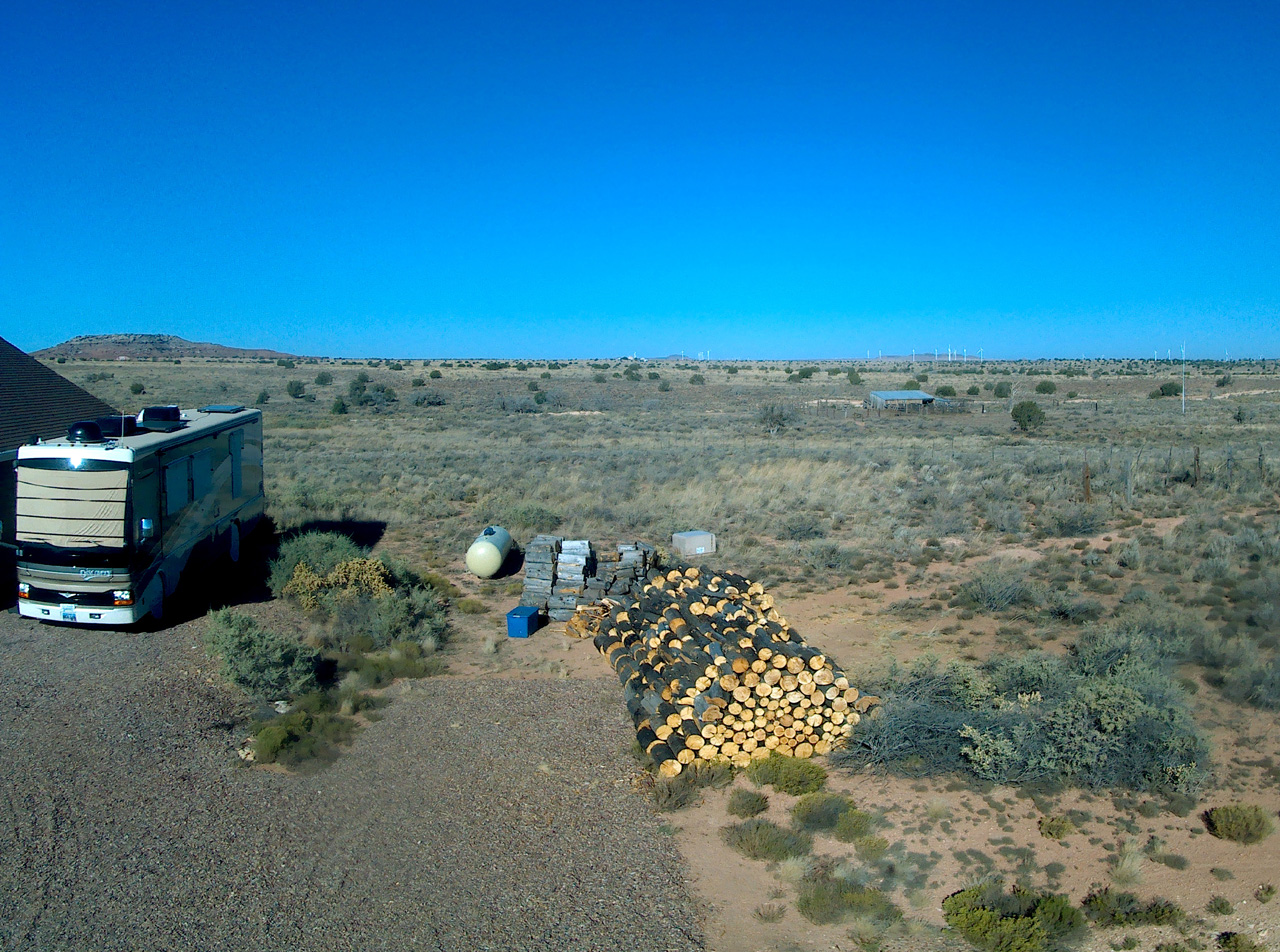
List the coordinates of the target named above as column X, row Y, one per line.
column 1239, row 822
column 1107, row 908
column 791, row 775
column 1126, row 870
column 765, row 840
column 770, row 912
column 819, row 811
column 824, row 899
column 747, row 803
column 1056, row 827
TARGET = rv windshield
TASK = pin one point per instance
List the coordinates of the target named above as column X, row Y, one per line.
column 73, row 503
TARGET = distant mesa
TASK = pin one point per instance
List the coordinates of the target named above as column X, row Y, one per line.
column 145, row 347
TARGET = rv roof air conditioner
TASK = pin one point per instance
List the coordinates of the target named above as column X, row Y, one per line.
column 85, row 431
column 160, row 418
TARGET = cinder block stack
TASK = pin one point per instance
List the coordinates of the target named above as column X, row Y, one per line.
column 540, row 570
column 561, row 575
column 574, row 564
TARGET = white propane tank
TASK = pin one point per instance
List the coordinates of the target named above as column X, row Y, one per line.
column 489, row 551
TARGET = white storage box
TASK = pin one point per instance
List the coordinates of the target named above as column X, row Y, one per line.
column 693, row 543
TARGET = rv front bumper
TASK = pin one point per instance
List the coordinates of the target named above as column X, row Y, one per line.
column 79, row 614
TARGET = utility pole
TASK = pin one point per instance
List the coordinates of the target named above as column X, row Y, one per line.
column 1184, row 378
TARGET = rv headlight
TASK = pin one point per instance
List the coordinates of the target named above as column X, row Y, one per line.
column 24, row 590
column 122, row 596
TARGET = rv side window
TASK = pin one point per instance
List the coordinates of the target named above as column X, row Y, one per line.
column 177, row 485
column 201, row 474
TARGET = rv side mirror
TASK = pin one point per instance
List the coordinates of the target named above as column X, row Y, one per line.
column 146, row 529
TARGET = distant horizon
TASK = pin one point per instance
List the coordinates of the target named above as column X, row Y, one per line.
column 922, row 357
column 574, row 178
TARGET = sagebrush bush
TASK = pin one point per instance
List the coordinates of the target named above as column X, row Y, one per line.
column 853, row 825
column 1107, row 908
column 1019, row 921
column 1056, row 827
column 765, row 840
column 308, row 735
column 1108, row 714
column 747, row 803
column 819, row 811
column 793, row 775
column 824, row 899
column 262, row 662
column 999, row 586
column 321, row 551
column 1239, row 822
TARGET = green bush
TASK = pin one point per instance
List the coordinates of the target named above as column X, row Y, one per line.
column 1003, row 390
column 998, row 587
column 322, row 551
column 1239, row 823
column 338, row 407
column 1028, row 415
column 792, row 775
column 1046, row 386
column 853, row 825
column 1237, row 942
column 819, row 811
column 471, row 606
column 263, row 397
column 1219, row 906
column 1265, row 893
column 295, row 388
column 824, row 899
column 1056, row 827
column 136, row 388
column 697, row 380
column 1019, row 921
column 435, row 375
column 308, row 735
column 747, row 803
column 765, row 840
column 264, row 663
column 1107, row 908
column 324, row 378
column 973, row 391
column 946, row 390
column 1170, row 389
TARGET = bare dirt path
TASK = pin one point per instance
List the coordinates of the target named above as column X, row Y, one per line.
column 485, row 815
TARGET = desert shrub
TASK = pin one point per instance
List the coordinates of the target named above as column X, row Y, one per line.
column 285, row 363
column 770, row 912
column 307, row 735
column 1239, row 822
column 824, row 899
column 1074, row 520
column 471, row 606
column 697, row 380
column 1265, row 893
column 946, row 390
column 1170, row 389
column 338, row 407
column 263, row 397
column 791, row 775
column 819, row 811
column 855, row 378
column 529, row 516
column 295, row 388
column 1056, row 827
column 870, row 848
column 664, row 386
column 136, row 388
column 853, row 825
column 1107, row 908
column 997, row 587
column 435, row 375
column 973, row 391
column 1046, row 386
column 321, row 551
column 762, row 839
column 747, row 803
column 1108, row 714
column 1238, row 942
column 1003, row 390
column 1021, row 920
column 1219, row 906
column 262, row 662
column 1257, row 684
column 1028, row 415
column 324, row 378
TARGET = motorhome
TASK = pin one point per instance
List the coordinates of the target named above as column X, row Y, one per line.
column 109, row 517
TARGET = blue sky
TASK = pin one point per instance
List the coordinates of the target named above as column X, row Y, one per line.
column 756, row 180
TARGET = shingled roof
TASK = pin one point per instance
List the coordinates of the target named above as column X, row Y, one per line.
column 36, row 401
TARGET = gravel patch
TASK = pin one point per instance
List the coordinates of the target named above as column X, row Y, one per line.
column 478, row 814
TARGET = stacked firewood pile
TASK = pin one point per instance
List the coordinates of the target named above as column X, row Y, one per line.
column 711, row 671
column 562, row 575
